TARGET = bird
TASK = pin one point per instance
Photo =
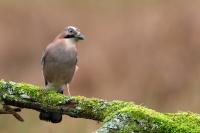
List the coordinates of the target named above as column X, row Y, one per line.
column 59, row 64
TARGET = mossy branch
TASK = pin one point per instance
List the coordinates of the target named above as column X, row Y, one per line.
column 117, row 116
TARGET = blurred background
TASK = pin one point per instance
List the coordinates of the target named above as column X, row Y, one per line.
column 145, row 51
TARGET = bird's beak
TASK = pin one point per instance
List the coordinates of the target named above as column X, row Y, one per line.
column 80, row 36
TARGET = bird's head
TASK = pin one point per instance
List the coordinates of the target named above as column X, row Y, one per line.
column 72, row 32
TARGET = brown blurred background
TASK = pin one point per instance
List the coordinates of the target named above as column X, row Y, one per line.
column 146, row 51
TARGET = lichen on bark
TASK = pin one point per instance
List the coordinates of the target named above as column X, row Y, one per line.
column 116, row 116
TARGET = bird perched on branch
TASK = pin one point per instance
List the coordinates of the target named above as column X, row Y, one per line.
column 59, row 62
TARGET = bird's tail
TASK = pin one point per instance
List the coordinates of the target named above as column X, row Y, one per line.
column 51, row 116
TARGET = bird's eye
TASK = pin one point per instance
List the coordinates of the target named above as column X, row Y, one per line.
column 70, row 30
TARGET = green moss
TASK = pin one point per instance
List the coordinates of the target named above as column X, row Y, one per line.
column 87, row 105
column 117, row 116
column 187, row 119
column 30, row 93
column 124, row 117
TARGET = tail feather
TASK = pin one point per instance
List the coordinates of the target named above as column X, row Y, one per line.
column 45, row 116
column 50, row 116
column 56, row 117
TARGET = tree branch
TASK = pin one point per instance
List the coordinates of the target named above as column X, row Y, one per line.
column 117, row 116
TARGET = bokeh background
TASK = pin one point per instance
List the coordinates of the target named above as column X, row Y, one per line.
column 146, row 51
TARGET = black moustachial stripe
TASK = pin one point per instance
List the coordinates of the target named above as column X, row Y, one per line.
column 69, row 36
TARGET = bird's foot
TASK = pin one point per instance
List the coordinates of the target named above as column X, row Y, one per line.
column 61, row 90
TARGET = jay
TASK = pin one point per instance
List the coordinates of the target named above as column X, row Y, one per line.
column 59, row 63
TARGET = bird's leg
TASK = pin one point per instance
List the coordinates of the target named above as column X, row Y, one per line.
column 68, row 89
column 61, row 90
column 76, row 69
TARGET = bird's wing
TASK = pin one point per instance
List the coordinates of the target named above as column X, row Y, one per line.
column 76, row 61
column 44, row 54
